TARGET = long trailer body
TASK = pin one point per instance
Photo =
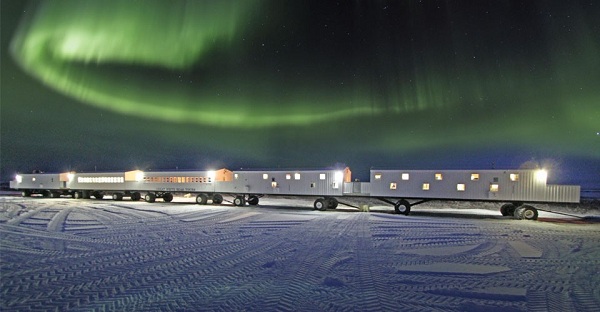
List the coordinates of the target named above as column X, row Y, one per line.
column 396, row 187
column 513, row 186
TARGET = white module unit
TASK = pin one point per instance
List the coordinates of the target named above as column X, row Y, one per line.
column 326, row 182
column 489, row 185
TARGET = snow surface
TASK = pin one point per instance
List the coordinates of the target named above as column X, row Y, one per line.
column 98, row 255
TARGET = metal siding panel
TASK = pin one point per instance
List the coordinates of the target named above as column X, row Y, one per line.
column 525, row 189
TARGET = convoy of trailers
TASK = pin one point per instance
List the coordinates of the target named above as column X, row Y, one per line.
column 517, row 189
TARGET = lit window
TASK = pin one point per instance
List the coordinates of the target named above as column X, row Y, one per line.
column 378, row 176
column 393, row 186
column 288, row 176
column 474, row 176
column 274, row 184
column 439, row 177
column 460, row 187
column 236, row 176
column 494, row 187
column 322, row 176
column 265, row 176
column 296, row 176
column 405, row 176
column 425, row 186
column 514, row 177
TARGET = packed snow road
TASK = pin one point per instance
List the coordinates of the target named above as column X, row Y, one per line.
column 98, row 255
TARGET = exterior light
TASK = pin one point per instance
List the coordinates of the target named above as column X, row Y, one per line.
column 139, row 176
column 541, row 175
column 212, row 174
column 339, row 176
column 19, row 178
column 70, row 176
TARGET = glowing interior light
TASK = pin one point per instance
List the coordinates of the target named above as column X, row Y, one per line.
column 19, row 178
column 339, row 176
column 541, row 175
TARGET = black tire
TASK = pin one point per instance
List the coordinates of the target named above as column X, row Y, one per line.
column 253, row 200
column 519, row 213
column 333, row 203
column 46, row 194
column 54, row 195
column 26, row 193
column 529, row 213
column 77, row 195
column 150, row 198
column 217, row 199
column 320, row 204
column 402, row 207
column 239, row 201
column 85, row 195
column 201, row 199
column 98, row 195
column 507, row 210
column 135, row 196
column 117, row 196
column 167, row 197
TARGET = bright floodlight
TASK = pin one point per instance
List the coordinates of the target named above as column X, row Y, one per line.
column 19, row 178
column 211, row 175
column 339, row 176
column 541, row 175
column 139, row 176
column 70, row 176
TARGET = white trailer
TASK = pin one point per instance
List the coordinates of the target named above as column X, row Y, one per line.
column 396, row 187
column 249, row 185
column 513, row 186
column 46, row 184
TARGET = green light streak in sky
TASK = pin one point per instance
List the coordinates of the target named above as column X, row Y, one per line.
column 123, row 56
column 67, row 43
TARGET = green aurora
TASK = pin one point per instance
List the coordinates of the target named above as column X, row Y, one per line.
column 385, row 77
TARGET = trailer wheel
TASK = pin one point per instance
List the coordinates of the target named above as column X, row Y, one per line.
column 239, row 201
column 167, row 197
column 507, row 210
column 135, row 196
column 519, row 212
column 217, row 199
column 98, row 195
column 529, row 212
column 150, row 198
column 253, row 200
column 201, row 199
column 77, row 195
column 85, row 195
column 26, row 193
column 54, row 195
column 117, row 196
column 402, row 207
column 320, row 204
column 333, row 203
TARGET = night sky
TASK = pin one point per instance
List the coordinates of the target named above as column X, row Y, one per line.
column 157, row 85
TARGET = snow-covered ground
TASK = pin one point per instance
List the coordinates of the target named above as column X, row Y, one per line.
column 98, row 255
